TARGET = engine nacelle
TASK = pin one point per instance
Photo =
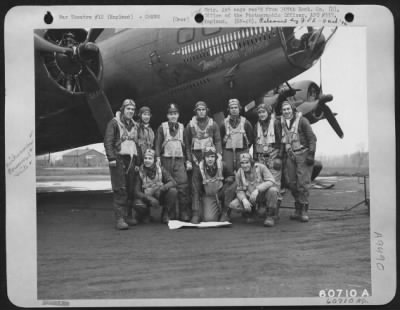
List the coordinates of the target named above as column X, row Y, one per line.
column 67, row 71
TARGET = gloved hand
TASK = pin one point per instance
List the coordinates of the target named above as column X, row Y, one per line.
column 158, row 161
column 253, row 196
column 189, row 165
column 153, row 202
column 246, row 205
column 277, row 164
column 310, row 159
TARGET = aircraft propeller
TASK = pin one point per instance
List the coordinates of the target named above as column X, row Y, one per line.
column 330, row 117
column 75, row 60
column 45, row 46
column 93, row 34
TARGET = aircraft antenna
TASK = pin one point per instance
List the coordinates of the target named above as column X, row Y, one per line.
column 320, row 75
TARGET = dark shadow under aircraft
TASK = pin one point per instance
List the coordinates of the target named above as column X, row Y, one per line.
column 83, row 76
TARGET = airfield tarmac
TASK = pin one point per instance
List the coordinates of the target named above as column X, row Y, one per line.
column 81, row 256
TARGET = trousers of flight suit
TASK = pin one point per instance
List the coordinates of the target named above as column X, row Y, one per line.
column 122, row 182
column 298, row 176
column 232, row 159
column 268, row 198
column 176, row 167
column 167, row 199
column 216, row 202
column 196, row 190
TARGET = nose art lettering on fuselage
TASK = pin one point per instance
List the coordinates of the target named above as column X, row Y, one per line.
column 211, row 53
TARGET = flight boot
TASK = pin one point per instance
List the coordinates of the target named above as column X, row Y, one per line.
column 164, row 216
column 278, row 205
column 225, row 215
column 304, row 213
column 130, row 219
column 171, row 213
column 269, row 219
column 121, row 224
column 250, row 216
column 297, row 212
column 185, row 216
column 146, row 218
column 195, row 218
column 262, row 210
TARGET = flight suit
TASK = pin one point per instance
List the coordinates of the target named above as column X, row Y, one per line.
column 145, row 137
column 170, row 148
column 120, row 145
column 238, row 137
column 154, row 187
column 300, row 143
column 268, row 148
column 259, row 178
column 199, row 134
column 216, row 189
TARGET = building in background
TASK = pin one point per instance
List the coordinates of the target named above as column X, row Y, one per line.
column 47, row 160
column 84, row 158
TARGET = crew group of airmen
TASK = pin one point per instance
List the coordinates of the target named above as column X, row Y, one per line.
column 206, row 170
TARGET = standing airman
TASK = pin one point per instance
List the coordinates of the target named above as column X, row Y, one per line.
column 237, row 135
column 300, row 143
column 202, row 131
column 171, row 153
column 267, row 146
column 124, row 157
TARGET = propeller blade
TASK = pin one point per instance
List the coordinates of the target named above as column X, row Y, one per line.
column 45, row 46
column 96, row 99
column 100, row 108
column 307, row 107
column 331, row 119
column 94, row 34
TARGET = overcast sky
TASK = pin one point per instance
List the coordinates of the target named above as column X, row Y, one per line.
column 344, row 77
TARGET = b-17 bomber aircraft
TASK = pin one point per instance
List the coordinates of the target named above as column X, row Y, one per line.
column 82, row 76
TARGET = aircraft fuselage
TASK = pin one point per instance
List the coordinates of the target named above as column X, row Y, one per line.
column 158, row 66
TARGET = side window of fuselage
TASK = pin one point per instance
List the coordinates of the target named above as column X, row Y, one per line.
column 185, row 35
column 209, row 31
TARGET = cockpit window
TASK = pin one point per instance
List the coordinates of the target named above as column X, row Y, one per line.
column 185, row 35
column 209, row 31
column 304, row 45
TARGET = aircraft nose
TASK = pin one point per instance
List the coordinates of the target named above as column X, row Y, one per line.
column 316, row 44
column 304, row 45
